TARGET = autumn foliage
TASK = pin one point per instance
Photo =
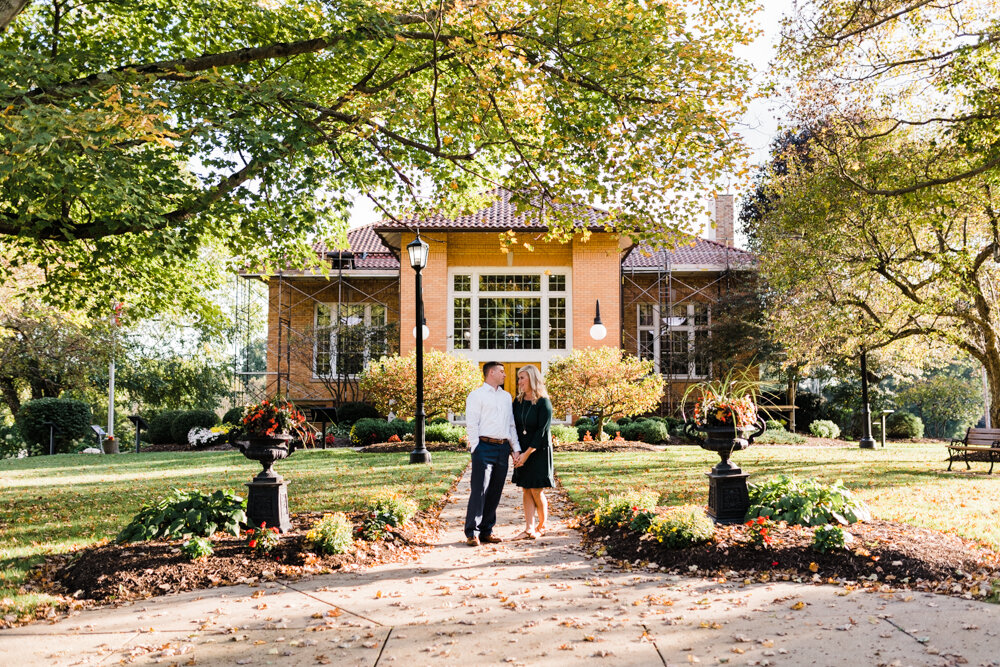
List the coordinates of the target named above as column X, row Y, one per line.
column 604, row 383
column 391, row 383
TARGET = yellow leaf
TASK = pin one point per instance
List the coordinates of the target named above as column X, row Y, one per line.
column 813, row 567
column 798, row 605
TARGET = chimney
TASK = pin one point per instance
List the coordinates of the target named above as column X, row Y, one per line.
column 724, row 219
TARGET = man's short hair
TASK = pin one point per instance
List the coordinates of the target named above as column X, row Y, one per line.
column 488, row 366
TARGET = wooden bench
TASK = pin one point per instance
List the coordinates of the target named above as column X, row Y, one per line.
column 977, row 441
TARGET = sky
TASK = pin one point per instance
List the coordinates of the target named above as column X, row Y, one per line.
column 757, row 128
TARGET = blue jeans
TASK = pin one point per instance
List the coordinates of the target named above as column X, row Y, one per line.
column 489, row 473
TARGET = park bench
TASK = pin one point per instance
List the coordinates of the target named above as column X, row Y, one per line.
column 982, row 443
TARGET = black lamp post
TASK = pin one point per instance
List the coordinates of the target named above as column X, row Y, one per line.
column 53, row 429
column 867, row 441
column 418, row 250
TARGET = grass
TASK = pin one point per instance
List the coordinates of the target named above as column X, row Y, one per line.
column 904, row 482
column 54, row 504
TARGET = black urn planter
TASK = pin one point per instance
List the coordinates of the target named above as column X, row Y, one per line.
column 267, row 499
column 728, row 497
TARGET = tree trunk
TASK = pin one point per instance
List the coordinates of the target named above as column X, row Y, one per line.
column 9, row 9
column 991, row 364
column 600, row 435
column 9, row 390
column 793, row 385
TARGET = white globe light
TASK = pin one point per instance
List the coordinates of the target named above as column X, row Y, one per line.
column 598, row 332
column 426, row 332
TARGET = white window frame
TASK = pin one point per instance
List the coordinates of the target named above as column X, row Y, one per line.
column 332, row 305
column 660, row 329
column 542, row 354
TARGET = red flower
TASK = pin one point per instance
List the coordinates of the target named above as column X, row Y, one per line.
column 253, row 543
column 774, row 563
column 273, row 529
column 263, row 524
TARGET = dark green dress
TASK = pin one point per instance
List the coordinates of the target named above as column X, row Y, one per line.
column 532, row 421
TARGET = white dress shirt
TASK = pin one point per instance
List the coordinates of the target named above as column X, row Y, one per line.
column 490, row 412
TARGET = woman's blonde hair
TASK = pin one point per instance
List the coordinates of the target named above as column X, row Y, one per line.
column 535, row 381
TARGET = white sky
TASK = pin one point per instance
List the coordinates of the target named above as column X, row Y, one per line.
column 758, row 127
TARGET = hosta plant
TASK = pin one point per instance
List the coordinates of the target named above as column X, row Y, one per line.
column 828, row 538
column 185, row 514
column 197, row 548
column 806, row 502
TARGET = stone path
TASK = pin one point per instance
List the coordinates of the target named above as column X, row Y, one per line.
column 542, row 602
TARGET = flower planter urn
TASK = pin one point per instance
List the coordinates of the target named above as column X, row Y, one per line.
column 267, row 499
column 728, row 496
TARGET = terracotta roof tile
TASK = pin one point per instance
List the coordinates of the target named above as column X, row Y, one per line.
column 500, row 215
column 703, row 251
column 367, row 247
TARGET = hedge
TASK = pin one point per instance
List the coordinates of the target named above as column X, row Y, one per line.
column 160, row 425
column 72, row 419
column 188, row 419
column 349, row 413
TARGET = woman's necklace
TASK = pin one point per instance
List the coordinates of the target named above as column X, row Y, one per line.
column 525, row 408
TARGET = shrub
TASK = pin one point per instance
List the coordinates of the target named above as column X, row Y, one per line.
column 368, row 431
column 444, row 433
column 903, row 424
column 824, row 428
column 619, row 508
column 189, row 419
column 385, row 509
column 402, row 427
column 781, row 437
column 263, row 540
column 584, row 427
column 806, row 502
column 11, row 442
column 234, row 415
column 564, row 434
column 333, row 534
column 682, row 527
column 646, row 430
column 808, row 408
column 159, row 431
column 390, row 383
column 828, row 537
column 641, row 521
column 72, row 420
column 775, row 425
column 197, row 547
column 187, row 514
column 349, row 413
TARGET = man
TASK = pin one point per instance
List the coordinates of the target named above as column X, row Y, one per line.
column 489, row 417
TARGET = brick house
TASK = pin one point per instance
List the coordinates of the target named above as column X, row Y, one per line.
column 517, row 307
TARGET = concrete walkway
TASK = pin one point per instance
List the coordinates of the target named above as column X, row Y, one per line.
column 538, row 602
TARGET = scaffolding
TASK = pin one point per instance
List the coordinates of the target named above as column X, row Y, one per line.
column 293, row 345
column 661, row 285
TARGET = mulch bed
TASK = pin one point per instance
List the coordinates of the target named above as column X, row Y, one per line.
column 884, row 555
column 109, row 572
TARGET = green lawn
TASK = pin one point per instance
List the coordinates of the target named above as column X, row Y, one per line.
column 903, row 482
column 50, row 504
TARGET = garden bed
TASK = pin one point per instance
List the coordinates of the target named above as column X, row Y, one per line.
column 884, row 554
column 111, row 572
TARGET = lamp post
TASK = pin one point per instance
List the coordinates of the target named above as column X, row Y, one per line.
column 418, row 250
column 867, row 441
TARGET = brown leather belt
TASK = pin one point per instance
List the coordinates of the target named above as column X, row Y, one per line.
column 493, row 441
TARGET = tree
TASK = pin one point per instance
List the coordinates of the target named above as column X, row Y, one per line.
column 133, row 132
column 391, row 384
column 604, row 383
column 44, row 352
column 878, row 69
column 899, row 273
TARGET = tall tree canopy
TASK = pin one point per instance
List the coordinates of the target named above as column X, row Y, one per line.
column 927, row 69
column 131, row 131
column 897, row 273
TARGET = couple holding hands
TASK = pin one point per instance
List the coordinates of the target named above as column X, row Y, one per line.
column 499, row 428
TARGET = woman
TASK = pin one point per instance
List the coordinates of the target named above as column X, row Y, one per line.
column 533, row 471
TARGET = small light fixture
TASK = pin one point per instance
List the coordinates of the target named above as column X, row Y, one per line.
column 598, row 331
column 425, row 330
column 418, row 251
